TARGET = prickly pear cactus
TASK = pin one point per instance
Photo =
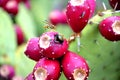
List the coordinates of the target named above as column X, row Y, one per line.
column 7, row 38
column 102, row 56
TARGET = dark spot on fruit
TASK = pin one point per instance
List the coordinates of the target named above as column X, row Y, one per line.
column 58, row 39
column 83, row 14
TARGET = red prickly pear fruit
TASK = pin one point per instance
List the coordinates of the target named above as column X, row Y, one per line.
column 78, row 13
column 75, row 67
column 11, row 7
column 115, row 4
column 7, row 71
column 57, row 17
column 110, row 28
column 92, row 4
column 53, row 44
column 3, row 2
column 47, row 69
column 19, row 34
column 29, row 77
column 33, row 51
column 18, row 1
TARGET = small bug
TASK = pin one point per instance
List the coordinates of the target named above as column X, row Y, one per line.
column 49, row 25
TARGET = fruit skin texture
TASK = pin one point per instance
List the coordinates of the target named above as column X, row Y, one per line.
column 108, row 30
column 52, row 68
column 72, row 61
column 19, row 34
column 11, row 7
column 52, row 45
column 7, row 71
column 3, row 2
column 113, row 4
column 92, row 4
column 77, row 14
column 57, row 17
column 33, row 51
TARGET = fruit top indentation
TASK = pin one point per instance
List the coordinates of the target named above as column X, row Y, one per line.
column 116, row 27
column 76, row 2
column 44, row 41
column 79, row 74
column 10, row 4
column 40, row 74
column 4, row 71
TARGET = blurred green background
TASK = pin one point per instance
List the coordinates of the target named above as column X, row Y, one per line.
column 102, row 55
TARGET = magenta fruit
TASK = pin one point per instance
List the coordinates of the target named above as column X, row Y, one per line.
column 75, row 67
column 7, row 71
column 92, row 4
column 110, row 28
column 3, row 2
column 57, row 17
column 53, row 44
column 115, row 4
column 33, row 51
column 47, row 69
column 11, row 7
column 78, row 13
column 19, row 34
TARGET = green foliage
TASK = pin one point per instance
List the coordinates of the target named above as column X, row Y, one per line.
column 7, row 38
column 23, row 64
column 26, row 22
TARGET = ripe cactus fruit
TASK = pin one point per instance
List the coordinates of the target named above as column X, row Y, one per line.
column 33, row 51
column 11, row 7
column 75, row 66
column 57, row 17
column 110, row 28
column 7, row 71
column 92, row 4
column 3, row 2
column 47, row 69
column 115, row 4
column 19, row 34
column 53, row 44
column 78, row 13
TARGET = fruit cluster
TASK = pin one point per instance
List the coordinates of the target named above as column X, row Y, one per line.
column 51, row 52
column 7, row 72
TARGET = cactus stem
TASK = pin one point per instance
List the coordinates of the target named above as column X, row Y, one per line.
column 78, row 41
